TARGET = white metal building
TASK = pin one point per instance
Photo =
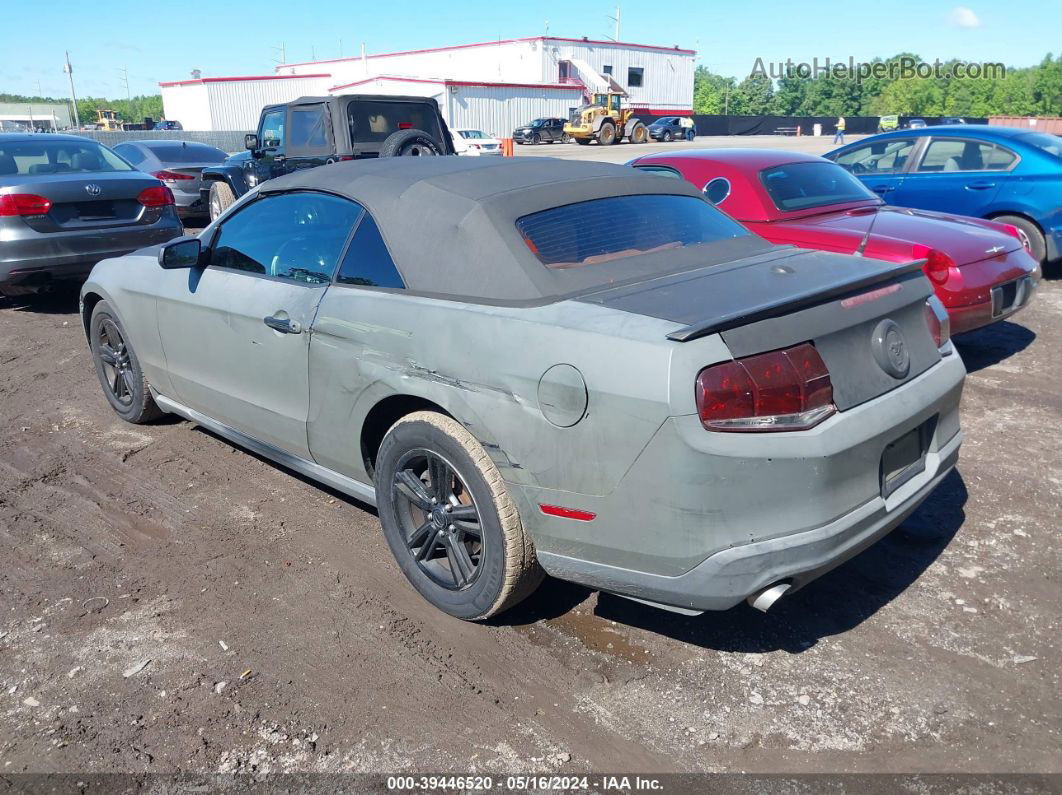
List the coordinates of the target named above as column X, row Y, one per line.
column 34, row 115
column 493, row 86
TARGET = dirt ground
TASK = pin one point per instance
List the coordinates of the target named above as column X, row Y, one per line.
column 169, row 602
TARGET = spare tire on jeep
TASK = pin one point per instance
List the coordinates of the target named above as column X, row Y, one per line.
column 411, row 143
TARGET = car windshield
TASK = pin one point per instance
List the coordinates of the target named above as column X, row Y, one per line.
column 23, row 158
column 604, row 230
column 186, row 153
column 1052, row 144
column 797, row 186
column 537, row 123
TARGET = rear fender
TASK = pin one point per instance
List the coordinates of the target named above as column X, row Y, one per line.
column 233, row 176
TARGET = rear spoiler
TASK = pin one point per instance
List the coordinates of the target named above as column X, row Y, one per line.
column 793, row 303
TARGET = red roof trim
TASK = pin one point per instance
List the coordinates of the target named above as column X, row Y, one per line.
column 442, row 82
column 494, row 43
column 202, row 80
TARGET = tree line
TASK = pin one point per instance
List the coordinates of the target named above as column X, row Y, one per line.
column 131, row 110
column 1030, row 91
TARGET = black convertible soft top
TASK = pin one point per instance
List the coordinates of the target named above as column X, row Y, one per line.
column 450, row 222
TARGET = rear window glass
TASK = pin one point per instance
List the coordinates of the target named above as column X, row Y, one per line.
column 797, row 186
column 1052, row 144
column 604, row 230
column 58, row 157
column 374, row 121
column 187, row 153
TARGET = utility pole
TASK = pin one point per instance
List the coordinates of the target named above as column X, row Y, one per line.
column 70, row 74
column 616, row 19
column 283, row 55
column 125, row 78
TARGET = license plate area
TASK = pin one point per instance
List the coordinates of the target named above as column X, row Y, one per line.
column 1004, row 298
column 905, row 458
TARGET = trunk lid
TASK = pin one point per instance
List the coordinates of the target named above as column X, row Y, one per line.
column 86, row 200
column 841, row 304
column 965, row 240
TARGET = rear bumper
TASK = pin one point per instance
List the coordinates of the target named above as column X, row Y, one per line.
column 35, row 261
column 1004, row 300
column 729, row 577
column 702, row 520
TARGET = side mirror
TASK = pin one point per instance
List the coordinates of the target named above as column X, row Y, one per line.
column 250, row 141
column 181, row 253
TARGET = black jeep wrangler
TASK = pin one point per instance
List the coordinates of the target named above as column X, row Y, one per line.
column 316, row 131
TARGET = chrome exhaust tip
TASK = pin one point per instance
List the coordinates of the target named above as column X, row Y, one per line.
column 768, row 596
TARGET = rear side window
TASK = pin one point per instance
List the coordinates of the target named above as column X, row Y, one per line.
column 604, row 230
column 946, row 154
column 372, row 122
column 367, row 262
column 131, row 153
column 307, row 129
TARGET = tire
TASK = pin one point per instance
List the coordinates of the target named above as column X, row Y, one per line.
column 667, row 136
column 606, row 136
column 411, row 143
column 123, row 385
column 536, row 139
column 565, row 138
column 492, row 574
column 221, row 198
column 640, row 134
column 1037, row 244
column 583, row 141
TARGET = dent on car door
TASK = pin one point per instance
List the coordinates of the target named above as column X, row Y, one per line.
column 956, row 175
column 880, row 165
column 236, row 337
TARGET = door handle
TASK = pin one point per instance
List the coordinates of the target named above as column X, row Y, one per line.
column 283, row 325
column 980, row 185
column 882, row 188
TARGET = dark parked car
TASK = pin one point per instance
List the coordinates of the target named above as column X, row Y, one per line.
column 168, row 125
column 670, row 128
column 179, row 164
column 66, row 203
column 541, row 131
column 317, row 131
column 916, row 124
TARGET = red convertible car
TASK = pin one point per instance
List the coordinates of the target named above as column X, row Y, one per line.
column 980, row 269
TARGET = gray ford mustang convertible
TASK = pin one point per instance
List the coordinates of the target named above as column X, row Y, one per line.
column 539, row 366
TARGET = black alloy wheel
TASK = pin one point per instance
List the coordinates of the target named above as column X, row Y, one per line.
column 439, row 519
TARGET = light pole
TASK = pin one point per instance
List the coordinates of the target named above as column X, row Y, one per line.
column 73, row 97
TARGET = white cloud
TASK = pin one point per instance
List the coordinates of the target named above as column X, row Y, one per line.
column 963, row 17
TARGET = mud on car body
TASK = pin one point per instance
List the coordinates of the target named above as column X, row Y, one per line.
column 566, row 368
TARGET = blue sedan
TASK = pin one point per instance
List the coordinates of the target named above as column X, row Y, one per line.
column 1008, row 174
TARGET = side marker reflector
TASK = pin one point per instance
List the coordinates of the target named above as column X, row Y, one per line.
column 567, row 513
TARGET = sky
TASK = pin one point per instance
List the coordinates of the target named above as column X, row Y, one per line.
column 165, row 41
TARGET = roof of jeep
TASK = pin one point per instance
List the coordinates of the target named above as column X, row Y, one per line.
column 450, row 222
column 349, row 97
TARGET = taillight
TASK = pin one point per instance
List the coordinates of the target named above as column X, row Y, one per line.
column 157, row 196
column 24, row 204
column 938, row 264
column 938, row 321
column 1022, row 238
column 786, row 390
column 170, row 175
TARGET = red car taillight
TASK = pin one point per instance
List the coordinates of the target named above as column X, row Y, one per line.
column 787, row 390
column 170, row 175
column 938, row 264
column 1022, row 238
column 158, row 196
column 938, row 321
column 24, row 204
